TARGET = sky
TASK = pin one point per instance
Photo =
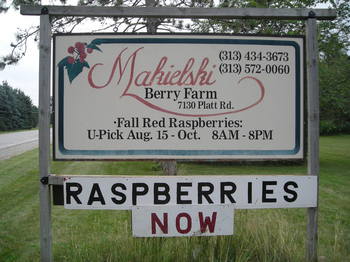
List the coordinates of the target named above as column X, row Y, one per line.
column 24, row 75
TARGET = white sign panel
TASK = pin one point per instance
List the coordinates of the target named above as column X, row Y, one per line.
column 240, row 192
column 178, row 97
column 182, row 220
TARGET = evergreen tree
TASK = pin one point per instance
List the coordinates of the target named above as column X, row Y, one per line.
column 16, row 109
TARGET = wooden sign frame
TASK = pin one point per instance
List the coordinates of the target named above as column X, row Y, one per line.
column 46, row 12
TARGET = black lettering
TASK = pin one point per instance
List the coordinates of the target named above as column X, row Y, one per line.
column 122, row 196
column 136, row 192
column 205, row 193
column 70, row 193
column 227, row 191
column 180, row 193
column 290, row 191
column 250, row 189
column 96, row 189
column 90, row 136
column 157, row 193
column 266, row 191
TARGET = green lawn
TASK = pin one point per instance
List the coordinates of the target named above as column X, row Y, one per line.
column 260, row 235
column 15, row 131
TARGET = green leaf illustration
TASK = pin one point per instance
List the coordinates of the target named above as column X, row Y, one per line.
column 73, row 69
column 75, row 63
column 93, row 46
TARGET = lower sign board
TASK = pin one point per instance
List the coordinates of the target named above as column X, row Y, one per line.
column 182, row 220
column 241, row 192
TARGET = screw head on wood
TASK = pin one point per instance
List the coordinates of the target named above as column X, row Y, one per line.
column 312, row 14
column 44, row 180
column 44, row 11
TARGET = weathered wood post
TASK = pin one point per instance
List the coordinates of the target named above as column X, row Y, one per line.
column 44, row 135
column 151, row 22
column 152, row 13
column 313, row 128
column 169, row 167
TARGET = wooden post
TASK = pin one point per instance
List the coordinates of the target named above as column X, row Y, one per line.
column 151, row 22
column 169, row 166
column 44, row 136
column 176, row 12
column 152, row 12
column 313, row 128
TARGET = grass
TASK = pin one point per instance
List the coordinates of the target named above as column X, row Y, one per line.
column 96, row 235
column 16, row 131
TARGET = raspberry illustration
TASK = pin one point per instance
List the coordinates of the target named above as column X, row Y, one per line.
column 70, row 60
column 80, row 46
column 71, row 50
column 75, row 61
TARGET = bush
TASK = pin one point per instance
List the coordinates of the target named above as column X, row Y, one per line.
column 16, row 109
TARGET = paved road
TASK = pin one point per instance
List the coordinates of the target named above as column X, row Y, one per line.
column 12, row 144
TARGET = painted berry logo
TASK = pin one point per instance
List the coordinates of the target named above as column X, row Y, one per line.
column 76, row 59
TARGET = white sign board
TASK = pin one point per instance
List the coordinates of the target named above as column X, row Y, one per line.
column 182, row 220
column 240, row 192
column 178, row 97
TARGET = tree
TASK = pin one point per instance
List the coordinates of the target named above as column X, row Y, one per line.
column 8, row 114
column 335, row 94
column 70, row 24
column 34, row 116
column 340, row 26
column 16, row 109
column 334, row 47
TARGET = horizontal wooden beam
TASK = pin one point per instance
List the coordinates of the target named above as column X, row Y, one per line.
column 174, row 12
